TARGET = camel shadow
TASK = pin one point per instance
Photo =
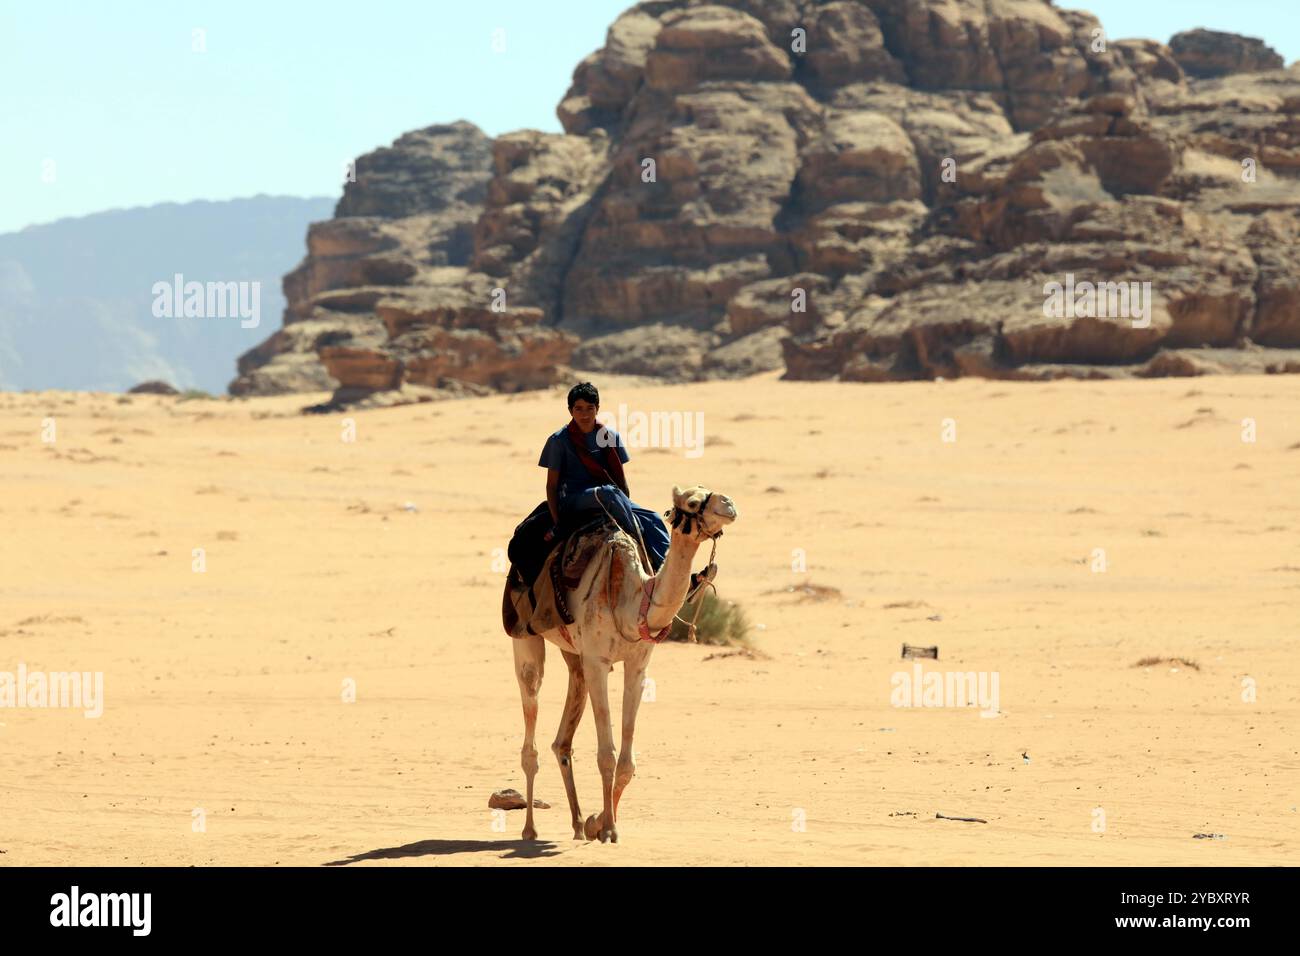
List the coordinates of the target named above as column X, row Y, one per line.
column 518, row 849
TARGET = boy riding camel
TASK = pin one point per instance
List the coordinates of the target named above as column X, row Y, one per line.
column 584, row 471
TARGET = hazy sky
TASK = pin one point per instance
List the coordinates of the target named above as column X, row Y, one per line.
column 107, row 104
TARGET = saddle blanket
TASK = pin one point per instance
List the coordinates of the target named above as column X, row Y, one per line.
column 529, row 608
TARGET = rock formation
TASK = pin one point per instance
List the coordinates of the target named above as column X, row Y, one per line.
column 398, row 293
column 858, row 189
column 1205, row 54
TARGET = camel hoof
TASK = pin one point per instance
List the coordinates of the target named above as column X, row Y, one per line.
column 609, row 835
column 530, row 833
column 591, row 828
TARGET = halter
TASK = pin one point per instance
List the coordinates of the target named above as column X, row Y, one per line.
column 686, row 520
column 678, row 516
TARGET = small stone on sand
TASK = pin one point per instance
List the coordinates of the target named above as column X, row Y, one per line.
column 514, row 800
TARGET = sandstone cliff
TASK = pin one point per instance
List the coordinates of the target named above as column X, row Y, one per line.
column 859, row 189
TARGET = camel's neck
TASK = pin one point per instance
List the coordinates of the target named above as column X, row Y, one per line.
column 672, row 582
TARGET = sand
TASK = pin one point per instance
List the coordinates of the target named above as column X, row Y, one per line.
column 225, row 737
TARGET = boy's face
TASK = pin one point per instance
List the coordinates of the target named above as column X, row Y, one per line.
column 584, row 413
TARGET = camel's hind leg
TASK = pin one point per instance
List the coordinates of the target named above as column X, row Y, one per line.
column 574, row 704
column 530, row 662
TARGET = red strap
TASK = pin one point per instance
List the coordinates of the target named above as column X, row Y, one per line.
column 614, row 468
column 643, row 626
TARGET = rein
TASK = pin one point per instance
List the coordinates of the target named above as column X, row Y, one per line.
column 707, row 582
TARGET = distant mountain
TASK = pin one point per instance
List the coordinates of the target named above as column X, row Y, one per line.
column 77, row 296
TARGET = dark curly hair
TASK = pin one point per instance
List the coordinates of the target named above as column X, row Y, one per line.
column 584, row 391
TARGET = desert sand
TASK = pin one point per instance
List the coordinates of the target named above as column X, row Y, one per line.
column 223, row 689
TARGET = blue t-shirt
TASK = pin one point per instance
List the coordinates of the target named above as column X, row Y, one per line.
column 574, row 476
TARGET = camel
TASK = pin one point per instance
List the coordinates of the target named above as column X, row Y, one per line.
column 610, row 621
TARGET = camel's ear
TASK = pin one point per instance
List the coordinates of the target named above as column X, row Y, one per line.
column 677, row 494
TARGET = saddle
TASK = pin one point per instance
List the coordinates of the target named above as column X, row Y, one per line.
column 534, row 599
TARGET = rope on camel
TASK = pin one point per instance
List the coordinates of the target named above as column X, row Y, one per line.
column 609, row 575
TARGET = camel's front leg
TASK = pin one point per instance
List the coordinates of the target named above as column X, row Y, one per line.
column 634, row 681
column 596, row 671
column 530, row 662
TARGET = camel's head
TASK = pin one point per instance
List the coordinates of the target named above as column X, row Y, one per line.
column 699, row 512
